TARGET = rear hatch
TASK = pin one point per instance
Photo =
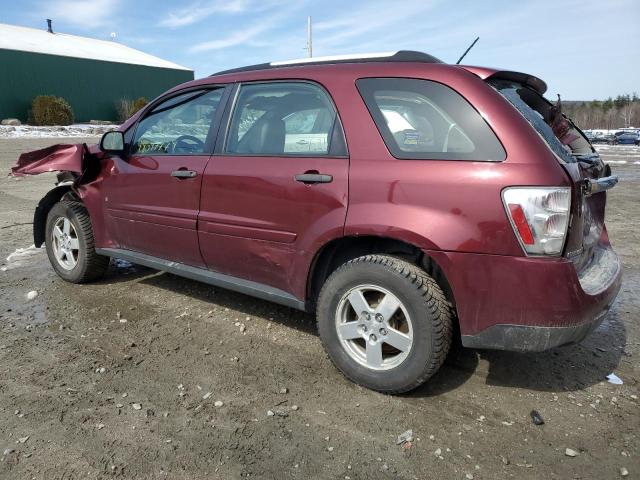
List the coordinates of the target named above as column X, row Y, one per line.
column 590, row 175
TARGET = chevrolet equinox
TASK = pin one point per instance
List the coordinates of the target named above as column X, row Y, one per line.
column 404, row 200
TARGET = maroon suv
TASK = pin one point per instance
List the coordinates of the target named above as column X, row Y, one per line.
column 401, row 198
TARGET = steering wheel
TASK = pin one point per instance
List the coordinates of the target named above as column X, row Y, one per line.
column 187, row 144
column 445, row 147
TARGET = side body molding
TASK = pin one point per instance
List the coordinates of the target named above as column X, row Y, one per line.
column 247, row 287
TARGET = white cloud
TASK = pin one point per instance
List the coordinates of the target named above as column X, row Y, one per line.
column 373, row 21
column 80, row 13
column 196, row 12
column 244, row 36
column 200, row 10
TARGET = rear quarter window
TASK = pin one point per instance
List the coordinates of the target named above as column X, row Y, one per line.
column 421, row 119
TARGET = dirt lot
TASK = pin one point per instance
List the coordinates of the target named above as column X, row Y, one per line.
column 122, row 377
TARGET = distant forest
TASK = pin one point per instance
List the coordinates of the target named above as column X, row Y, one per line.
column 610, row 114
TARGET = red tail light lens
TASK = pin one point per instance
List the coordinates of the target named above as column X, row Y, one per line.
column 520, row 222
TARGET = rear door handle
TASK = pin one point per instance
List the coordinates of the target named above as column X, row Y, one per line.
column 184, row 173
column 311, row 178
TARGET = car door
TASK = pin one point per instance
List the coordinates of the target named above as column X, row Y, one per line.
column 153, row 195
column 277, row 187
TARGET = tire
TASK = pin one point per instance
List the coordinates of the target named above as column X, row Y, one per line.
column 424, row 317
column 75, row 265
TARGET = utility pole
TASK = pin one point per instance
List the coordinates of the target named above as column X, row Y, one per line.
column 309, row 39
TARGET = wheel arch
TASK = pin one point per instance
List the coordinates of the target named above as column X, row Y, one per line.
column 42, row 210
column 340, row 250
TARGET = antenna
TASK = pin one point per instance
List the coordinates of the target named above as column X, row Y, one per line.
column 467, row 50
column 113, row 36
column 309, row 47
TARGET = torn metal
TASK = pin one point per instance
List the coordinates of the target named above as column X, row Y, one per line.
column 73, row 161
column 55, row 158
column 78, row 165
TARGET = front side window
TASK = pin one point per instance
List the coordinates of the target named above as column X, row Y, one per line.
column 178, row 126
column 420, row 119
column 281, row 119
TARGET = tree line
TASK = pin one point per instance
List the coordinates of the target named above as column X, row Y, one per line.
column 609, row 114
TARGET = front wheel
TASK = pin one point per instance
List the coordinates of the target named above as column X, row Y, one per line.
column 70, row 245
column 385, row 323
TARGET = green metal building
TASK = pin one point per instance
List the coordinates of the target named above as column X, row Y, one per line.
column 92, row 75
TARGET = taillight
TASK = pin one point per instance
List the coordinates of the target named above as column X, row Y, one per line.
column 539, row 216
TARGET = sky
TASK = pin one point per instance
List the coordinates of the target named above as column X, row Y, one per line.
column 583, row 49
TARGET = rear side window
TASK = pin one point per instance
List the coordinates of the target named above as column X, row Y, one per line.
column 420, row 119
column 283, row 118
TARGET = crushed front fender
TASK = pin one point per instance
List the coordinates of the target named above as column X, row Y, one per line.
column 63, row 158
column 79, row 167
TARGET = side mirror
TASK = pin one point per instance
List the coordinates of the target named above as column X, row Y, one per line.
column 112, row 142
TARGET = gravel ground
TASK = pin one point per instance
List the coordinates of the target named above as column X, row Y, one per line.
column 148, row 375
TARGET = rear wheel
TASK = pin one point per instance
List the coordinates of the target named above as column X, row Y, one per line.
column 70, row 244
column 384, row 323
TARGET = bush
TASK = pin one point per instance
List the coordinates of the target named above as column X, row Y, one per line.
column 50, row 110
column 139, row 103
column 126, row 107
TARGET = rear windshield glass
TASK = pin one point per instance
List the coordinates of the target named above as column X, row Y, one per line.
column 421, row 119
column 525, row 99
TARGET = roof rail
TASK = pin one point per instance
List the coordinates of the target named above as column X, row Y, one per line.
column 399, row 56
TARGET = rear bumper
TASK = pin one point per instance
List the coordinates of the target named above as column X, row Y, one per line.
column 522, row 338
column 529, row 304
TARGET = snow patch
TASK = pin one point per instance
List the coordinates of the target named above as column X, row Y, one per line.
column 613, row 378
column 77, row 130
column 20, row 257
column 14, row 37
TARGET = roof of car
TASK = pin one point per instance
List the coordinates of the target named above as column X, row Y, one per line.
column 399, row 56
column 402, row 56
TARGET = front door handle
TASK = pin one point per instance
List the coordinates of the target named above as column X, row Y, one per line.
column 182, row 174
column 311, row 178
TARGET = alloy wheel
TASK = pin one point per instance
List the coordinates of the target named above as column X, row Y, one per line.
column 374, row 327
column 66, row 245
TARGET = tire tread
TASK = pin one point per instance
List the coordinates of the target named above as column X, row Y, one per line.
column 95, row 266
column 435, row 301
